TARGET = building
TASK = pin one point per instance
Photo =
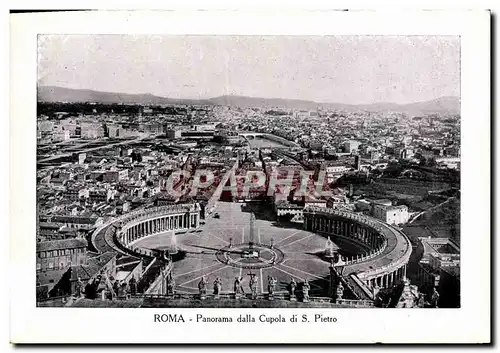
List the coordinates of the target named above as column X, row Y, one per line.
column 100, row 195
column 125, row 152
column 113, row 130
column 174, row 133
column 351, row 146
column 363, row 205
column 390, row 214
column 448, row 162
column 101, row 265
column 314, row 202
column 407, row 153
column 75, row 193
column 198, row 134
column 114, row 176
column 205, row 127
column 439, row 269
column 89, row 130
column 60, row 136
column 84, row 223
column 357, row 162
column 59, row 254
column 334, row 172
column 79, row 157
column 283, row 208
column 45, row 125
column 409, row 297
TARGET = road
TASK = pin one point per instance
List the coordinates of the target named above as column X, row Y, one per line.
column 85, row 150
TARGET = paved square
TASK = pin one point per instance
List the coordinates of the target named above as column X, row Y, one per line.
column 299, row 250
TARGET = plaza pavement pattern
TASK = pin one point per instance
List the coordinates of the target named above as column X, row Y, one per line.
column 299, row 247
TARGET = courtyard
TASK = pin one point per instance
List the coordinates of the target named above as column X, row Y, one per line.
column 220, row 249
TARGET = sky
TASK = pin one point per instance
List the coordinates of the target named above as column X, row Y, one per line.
column 330, row 69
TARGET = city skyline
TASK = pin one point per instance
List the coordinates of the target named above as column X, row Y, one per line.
column 363, row 69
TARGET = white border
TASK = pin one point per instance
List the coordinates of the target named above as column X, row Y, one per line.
column 471, row 323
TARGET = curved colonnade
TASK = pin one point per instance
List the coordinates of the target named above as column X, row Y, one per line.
column 384, row 264
column 137, row 225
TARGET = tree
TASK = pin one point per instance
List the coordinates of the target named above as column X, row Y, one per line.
column 286, row 218
column 431, row 162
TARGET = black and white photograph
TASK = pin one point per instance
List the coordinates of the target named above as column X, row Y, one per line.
column 248, row 171
column 292, row 178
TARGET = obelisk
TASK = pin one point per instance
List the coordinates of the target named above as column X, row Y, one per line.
column 251, row 238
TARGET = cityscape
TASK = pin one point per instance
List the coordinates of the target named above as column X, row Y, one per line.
column 248, row 172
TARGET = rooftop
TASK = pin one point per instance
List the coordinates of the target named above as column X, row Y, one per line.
column 60, row 244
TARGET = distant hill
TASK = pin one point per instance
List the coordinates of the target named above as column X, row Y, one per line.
column 443, row 105
column 61, row 94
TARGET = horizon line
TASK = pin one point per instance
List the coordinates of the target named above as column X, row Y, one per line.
column 244, row 96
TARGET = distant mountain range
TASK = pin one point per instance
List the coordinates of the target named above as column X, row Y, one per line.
column 442, row 105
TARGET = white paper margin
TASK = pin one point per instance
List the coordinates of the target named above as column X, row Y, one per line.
column 470, row 323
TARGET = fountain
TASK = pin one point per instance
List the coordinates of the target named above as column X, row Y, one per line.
column 173, row 249
column 329, row 251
